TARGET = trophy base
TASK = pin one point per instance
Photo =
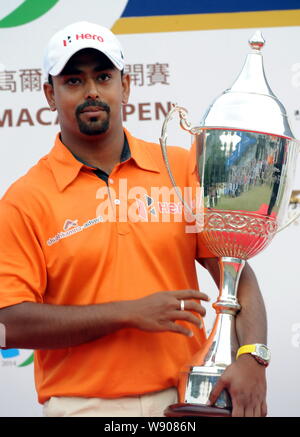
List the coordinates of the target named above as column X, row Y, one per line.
column 184, row 409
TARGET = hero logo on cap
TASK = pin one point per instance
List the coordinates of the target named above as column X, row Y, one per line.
column 67, row 41
column 83, row 35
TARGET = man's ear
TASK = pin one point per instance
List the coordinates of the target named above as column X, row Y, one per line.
column 49, row 93
column 126, row 88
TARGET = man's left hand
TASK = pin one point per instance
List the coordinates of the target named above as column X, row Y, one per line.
column 245, row 380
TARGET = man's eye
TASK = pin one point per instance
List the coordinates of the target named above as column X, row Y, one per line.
column 104, row 76
column 73, row 81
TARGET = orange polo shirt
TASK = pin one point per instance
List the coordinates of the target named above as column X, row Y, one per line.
column 68, row 238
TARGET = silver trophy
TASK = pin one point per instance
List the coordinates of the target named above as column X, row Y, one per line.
column 245, row 155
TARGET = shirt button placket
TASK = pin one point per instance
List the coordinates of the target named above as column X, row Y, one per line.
column 120, row 206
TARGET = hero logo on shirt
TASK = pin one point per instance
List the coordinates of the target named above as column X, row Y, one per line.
column 149, row 206
column 146, row 207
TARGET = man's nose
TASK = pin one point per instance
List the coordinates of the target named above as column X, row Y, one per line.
column 92, row 91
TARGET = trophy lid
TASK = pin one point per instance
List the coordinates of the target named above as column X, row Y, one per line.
column 250, row 103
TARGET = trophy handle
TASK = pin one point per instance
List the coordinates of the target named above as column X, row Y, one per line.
column 288, row 223
column 296, row 216
column 185, row 125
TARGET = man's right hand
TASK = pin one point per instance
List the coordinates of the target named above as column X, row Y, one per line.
column 31, row 325
column 159, row 312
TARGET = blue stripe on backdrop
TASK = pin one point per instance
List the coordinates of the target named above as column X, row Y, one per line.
column 145, row 8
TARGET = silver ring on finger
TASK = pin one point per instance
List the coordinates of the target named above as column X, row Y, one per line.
column 181, row 304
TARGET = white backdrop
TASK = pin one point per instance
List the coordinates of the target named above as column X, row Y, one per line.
column 193, row 68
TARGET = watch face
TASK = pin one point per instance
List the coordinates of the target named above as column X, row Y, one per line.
column 264, row 353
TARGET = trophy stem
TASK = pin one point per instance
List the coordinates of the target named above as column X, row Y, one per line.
column 230, row 272
column 222, row 342
column 198, row 378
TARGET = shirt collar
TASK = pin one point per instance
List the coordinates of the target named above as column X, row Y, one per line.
column 141, row 154
column 66, row 167
column 63, row 164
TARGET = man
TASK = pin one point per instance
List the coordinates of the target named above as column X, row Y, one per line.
column 93, row 276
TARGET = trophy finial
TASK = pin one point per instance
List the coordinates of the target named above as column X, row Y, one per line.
column 250, row 104
column 257, row 41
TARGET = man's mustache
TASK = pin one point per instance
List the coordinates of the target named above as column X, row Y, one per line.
column 104, row 106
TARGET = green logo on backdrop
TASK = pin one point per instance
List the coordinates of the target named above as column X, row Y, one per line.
column 28, row 11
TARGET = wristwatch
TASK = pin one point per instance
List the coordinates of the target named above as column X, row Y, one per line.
column 259, row 351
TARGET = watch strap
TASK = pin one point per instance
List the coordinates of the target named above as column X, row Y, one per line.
column 246, row 349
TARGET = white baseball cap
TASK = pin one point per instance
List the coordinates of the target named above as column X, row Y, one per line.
column 77, row 36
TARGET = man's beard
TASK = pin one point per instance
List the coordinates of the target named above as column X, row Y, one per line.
column 94, row 126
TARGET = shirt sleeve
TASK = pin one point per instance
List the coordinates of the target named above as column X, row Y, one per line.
column 23, row 274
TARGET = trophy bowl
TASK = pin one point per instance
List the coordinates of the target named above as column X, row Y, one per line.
column 245, row 158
